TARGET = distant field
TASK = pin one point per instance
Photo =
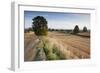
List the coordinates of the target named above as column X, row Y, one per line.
column 84, row 34
column 72, row 46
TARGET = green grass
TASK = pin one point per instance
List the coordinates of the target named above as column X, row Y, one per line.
column 52, row 52
column 58, row 53
column 52, row 56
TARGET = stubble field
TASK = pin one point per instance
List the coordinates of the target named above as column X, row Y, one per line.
column 71, row 46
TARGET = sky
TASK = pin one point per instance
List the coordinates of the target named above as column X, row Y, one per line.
column 58, row 20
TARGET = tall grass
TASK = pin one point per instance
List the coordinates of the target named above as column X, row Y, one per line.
column 52, row 51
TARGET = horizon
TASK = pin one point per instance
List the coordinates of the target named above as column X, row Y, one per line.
column 59, row 20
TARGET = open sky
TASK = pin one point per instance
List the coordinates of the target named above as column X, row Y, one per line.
column 58, row 20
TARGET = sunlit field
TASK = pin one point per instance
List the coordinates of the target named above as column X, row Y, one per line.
column 56, row 46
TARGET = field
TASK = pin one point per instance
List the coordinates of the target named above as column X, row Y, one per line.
column 67, row 46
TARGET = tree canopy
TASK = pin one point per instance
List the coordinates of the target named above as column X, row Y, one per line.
column 40, row 26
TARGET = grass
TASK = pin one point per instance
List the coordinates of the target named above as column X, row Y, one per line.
column 52, row 52
column 52, row 56
column 48, row 51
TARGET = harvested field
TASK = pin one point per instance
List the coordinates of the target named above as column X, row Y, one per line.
column 70, row 46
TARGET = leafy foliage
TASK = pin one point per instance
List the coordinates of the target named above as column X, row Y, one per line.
column 40, row 26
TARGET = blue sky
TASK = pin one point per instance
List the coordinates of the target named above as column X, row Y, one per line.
column 58, row 20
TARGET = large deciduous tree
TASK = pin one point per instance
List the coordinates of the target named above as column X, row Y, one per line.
column 40, row 26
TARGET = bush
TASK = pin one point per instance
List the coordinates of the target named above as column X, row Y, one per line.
column 40, row 26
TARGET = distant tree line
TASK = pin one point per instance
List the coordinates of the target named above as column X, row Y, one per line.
column 74, row 31
column 60, row 30
column 51, row 29
column 28, row 29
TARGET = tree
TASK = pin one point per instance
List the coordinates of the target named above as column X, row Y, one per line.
column 76, row 29
column 40, row 26
column 84, row 29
